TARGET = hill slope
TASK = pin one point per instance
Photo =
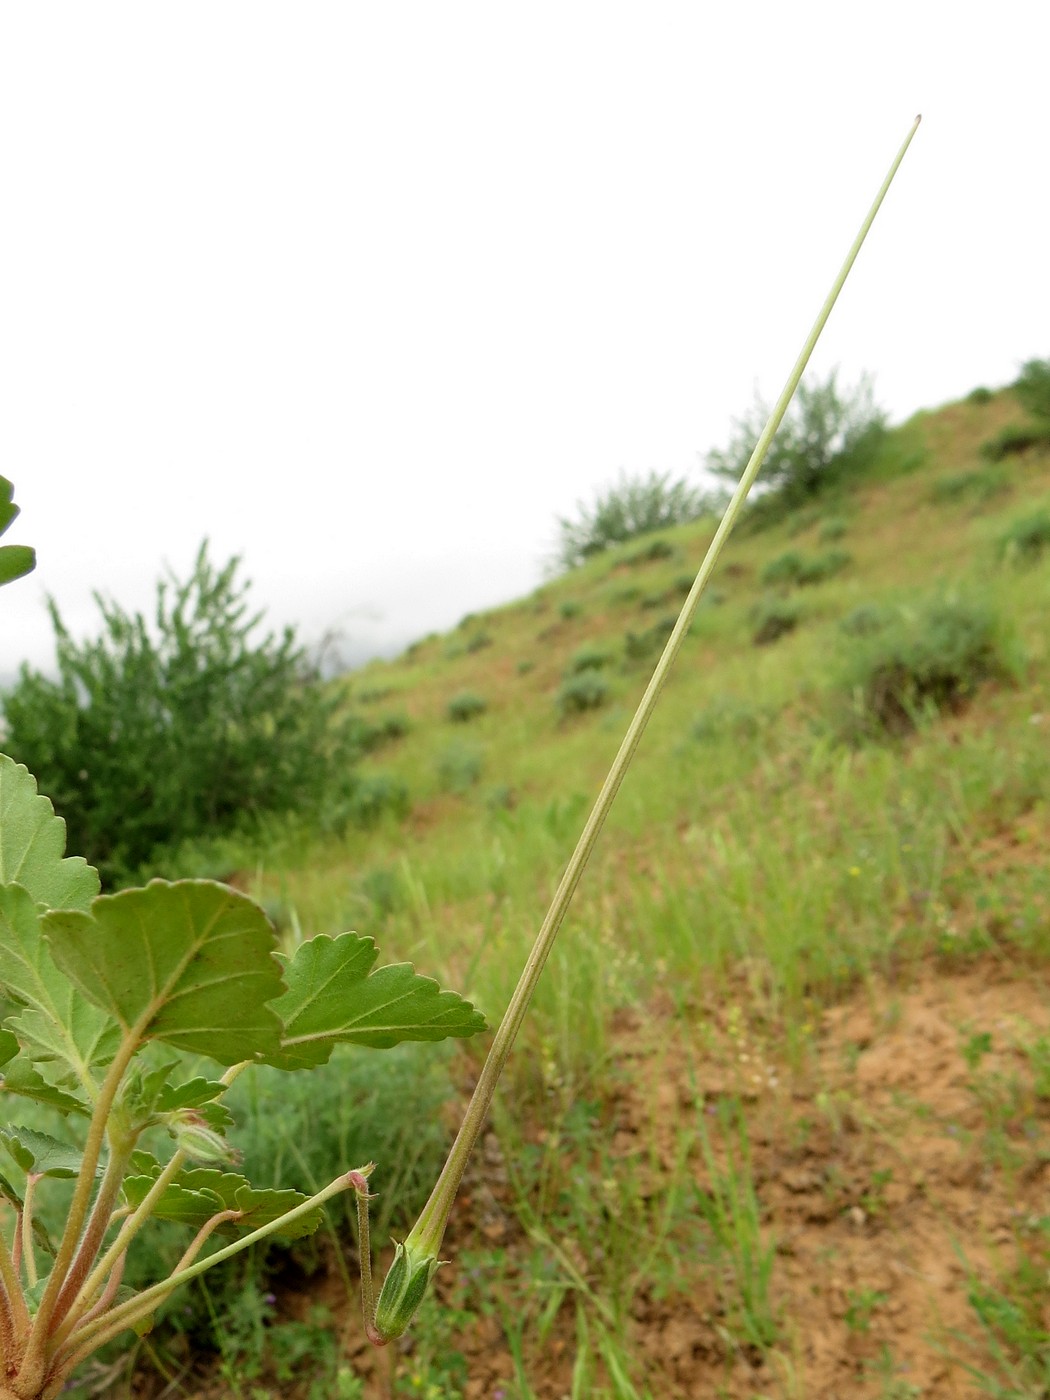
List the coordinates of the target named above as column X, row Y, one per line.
column 778, row 1121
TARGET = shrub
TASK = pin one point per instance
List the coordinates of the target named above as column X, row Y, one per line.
column 459, row 768
column 587, row 691
column 827, row 434
column 569, row 609
column 793, row 568
column 478, row 642
column 634, row 506
column 190, row 724
column 1033, row 391
column 466, row 706
column 980, row 395
column 1013, row 439
column 589, row 658
column 774, row 618
column 864, row 620
column 930, row 660
column 372, row 735
column 641, row 646
column 1026, row 540
column 726, row 718
column 786, row 568
column 833, row 529
column 375, row 797
column 974, row 487
column 648, row 554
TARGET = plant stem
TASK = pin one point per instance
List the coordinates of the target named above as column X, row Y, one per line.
column 120, row 1318
column 427, row 1233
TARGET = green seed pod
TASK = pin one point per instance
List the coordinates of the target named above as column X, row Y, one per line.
column 403, row 1291
column 201, row 1143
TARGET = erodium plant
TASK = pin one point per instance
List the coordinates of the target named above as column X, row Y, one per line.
column 104, row 997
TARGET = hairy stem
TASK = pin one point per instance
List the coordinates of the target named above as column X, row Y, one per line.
column 427, row 1233
column 28, row 1253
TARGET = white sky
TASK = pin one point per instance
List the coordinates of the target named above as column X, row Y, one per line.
column 370, row 293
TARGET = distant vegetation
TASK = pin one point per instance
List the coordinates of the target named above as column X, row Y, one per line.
column 828, row 434
column 186, row 725
column 634, row 506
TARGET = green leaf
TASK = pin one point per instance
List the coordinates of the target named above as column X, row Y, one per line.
column 40, row 1154
column 195, row 1196
column 55, row 1025
column 190, row 1095
column 32, row 842
column 16, row 560
column 19, row 1077
column 190, row 964
column 333, row 998
column 8, row 1046
column 8, row 510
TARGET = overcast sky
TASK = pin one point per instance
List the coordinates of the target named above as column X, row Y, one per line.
column 371, row 293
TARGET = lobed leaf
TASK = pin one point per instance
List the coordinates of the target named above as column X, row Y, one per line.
column 55, row 1025
column 195, row 1196
column 334, row 998
column 39, row 1154
column 189, row 963
column 32, row 842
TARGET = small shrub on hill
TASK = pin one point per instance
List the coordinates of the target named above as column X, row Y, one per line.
column 377, row 734
column 929, row 660
column 187, row 724
column 980, row 395
column 587, row 691
column 478, row 642
column 375, row 797
column 974, row 488
column 772, row 619
column 643, row 646
column 833, row 529
column 1033, row 391
column 634, row 506
column 828, row 435
column 864, row 620
column 459, row 768
column 462, row 708
column 728, row 717
column 648, row 554
column 1013, row 439
column 590, row 658
column 569, row 609
column 1027, row 540
column 793, row 568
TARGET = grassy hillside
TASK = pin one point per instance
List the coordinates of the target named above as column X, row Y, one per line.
column 778, row 1121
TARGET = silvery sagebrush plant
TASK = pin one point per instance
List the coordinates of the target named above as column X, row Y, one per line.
column 103, row 998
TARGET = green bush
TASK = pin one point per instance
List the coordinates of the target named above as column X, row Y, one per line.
column 972, row 487
column 927, row 660
column 642, row 646
column 466, row 706
column 375, row 797
column 727, row 718
column 827, row 435
column 1033, row 391
column 478, row 642
column 864, row 620
column 784, row 569
column 376, row 734
column 772, row 619
column 590, row 658
column 650, row 553
column 1013, row 439
column 1027, row 540
column 980, row 395
column 794, row 568
column 634, row 506
column 459, row 768
column 186, row 725
column 587, row 691
column 569, row 609
column 833, row 529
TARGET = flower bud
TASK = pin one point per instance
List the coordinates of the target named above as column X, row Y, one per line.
column 403, row 1291
column 199, row 1142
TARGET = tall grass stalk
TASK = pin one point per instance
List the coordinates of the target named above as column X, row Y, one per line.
column 417, row 1259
